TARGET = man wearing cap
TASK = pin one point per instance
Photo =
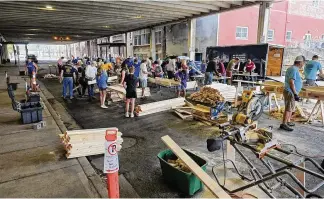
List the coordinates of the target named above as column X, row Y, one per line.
column 293, row 85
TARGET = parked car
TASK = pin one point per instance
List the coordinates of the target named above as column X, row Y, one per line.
column 33, row 58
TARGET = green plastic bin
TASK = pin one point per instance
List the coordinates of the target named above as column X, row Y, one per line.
column 185, row 182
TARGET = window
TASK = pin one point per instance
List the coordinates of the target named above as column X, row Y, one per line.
column 158, row 37
column 316, row 3
column 241, row 32
column 288, row 35
column 142, row 37
column 270, row 35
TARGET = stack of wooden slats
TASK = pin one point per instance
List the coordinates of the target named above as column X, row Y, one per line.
column 86, row 142
column 150, row 108
column 227, row 91
column 118, row 92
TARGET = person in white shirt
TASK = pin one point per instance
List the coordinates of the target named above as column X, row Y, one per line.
column 143, row 76
column 171, row 68
column 90, row 74
column 149, row 64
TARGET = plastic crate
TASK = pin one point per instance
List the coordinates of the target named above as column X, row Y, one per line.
column 185, row 182
column 31, row 112
column 33, row 97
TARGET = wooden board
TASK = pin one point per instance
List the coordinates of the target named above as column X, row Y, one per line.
column 211, row 184
column 275, row 56
column 160, row 106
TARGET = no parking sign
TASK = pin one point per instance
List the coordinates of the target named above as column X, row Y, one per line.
column 111, row 163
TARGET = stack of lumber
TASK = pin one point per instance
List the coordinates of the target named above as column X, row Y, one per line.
column 313, row 92
column 298, row 115
column 185, row 113
column 227, row 91
column 155, row 107
column 207, row 95
column 118, row 92
column 166, row 82
column 86, row 142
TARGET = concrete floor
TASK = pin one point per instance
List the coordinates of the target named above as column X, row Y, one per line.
column 32, row 162
column 139, row 163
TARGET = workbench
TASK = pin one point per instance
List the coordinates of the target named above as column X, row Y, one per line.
column 315, row 92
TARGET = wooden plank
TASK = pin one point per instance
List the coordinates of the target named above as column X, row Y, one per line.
column 86, row 131
column 184, row 117
column 195, row 168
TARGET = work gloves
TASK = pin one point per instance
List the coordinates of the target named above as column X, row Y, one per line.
column 297, row 98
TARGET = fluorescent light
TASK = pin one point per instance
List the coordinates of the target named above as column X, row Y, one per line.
column 138, row 17
column 48, row 7
column 106, row 26
column 34, row 29
column 30, row 34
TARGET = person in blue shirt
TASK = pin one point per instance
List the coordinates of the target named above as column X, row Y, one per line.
column 137, row 67
column 31, row 70
column 311, row 69
column 102, row 78
column 293, row 85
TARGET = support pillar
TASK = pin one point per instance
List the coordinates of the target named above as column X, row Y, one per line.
column 163, row 44
column 192, row 39
column 26, row 49
column 153, row 45
column 129, row 46
column 111, row 48
column 125, row 47
column 88, row 49
column 263, row 22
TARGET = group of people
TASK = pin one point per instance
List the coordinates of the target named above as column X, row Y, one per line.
column 216, row 66
column 82, row 74
column 294, row 84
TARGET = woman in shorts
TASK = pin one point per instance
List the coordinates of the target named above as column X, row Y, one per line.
column 102, row 78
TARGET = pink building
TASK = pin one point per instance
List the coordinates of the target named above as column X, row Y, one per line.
column 291, row 23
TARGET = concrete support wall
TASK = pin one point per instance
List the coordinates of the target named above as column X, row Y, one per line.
column 152, row 44
column 206, row 33
column 129, row 44
column 263, row 22
column 192, row 39
column 177, row 39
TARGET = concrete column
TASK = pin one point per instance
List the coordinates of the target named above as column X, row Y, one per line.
column 111, row 48
column 163, row 44
column 125, row 47
column 263, row 22
column 192, row 39
column 26, row 49
column 88, row 48
column 129, row 46
column 153, row 45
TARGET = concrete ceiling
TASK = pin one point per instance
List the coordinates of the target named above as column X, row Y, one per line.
column 42, row 21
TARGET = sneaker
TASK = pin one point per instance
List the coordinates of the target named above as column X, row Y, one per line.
column 132, row 115
column 285, row 127
column 290, row 124
column 93, row 97
column 104, row 106
column 127, row 114
column 71, row 98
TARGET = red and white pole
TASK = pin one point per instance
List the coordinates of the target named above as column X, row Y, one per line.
column 111, row 164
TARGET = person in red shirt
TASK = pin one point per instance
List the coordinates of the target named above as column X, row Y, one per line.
column 221, row 69
column 249, row 66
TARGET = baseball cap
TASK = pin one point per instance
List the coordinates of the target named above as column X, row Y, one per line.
column 300, row 58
